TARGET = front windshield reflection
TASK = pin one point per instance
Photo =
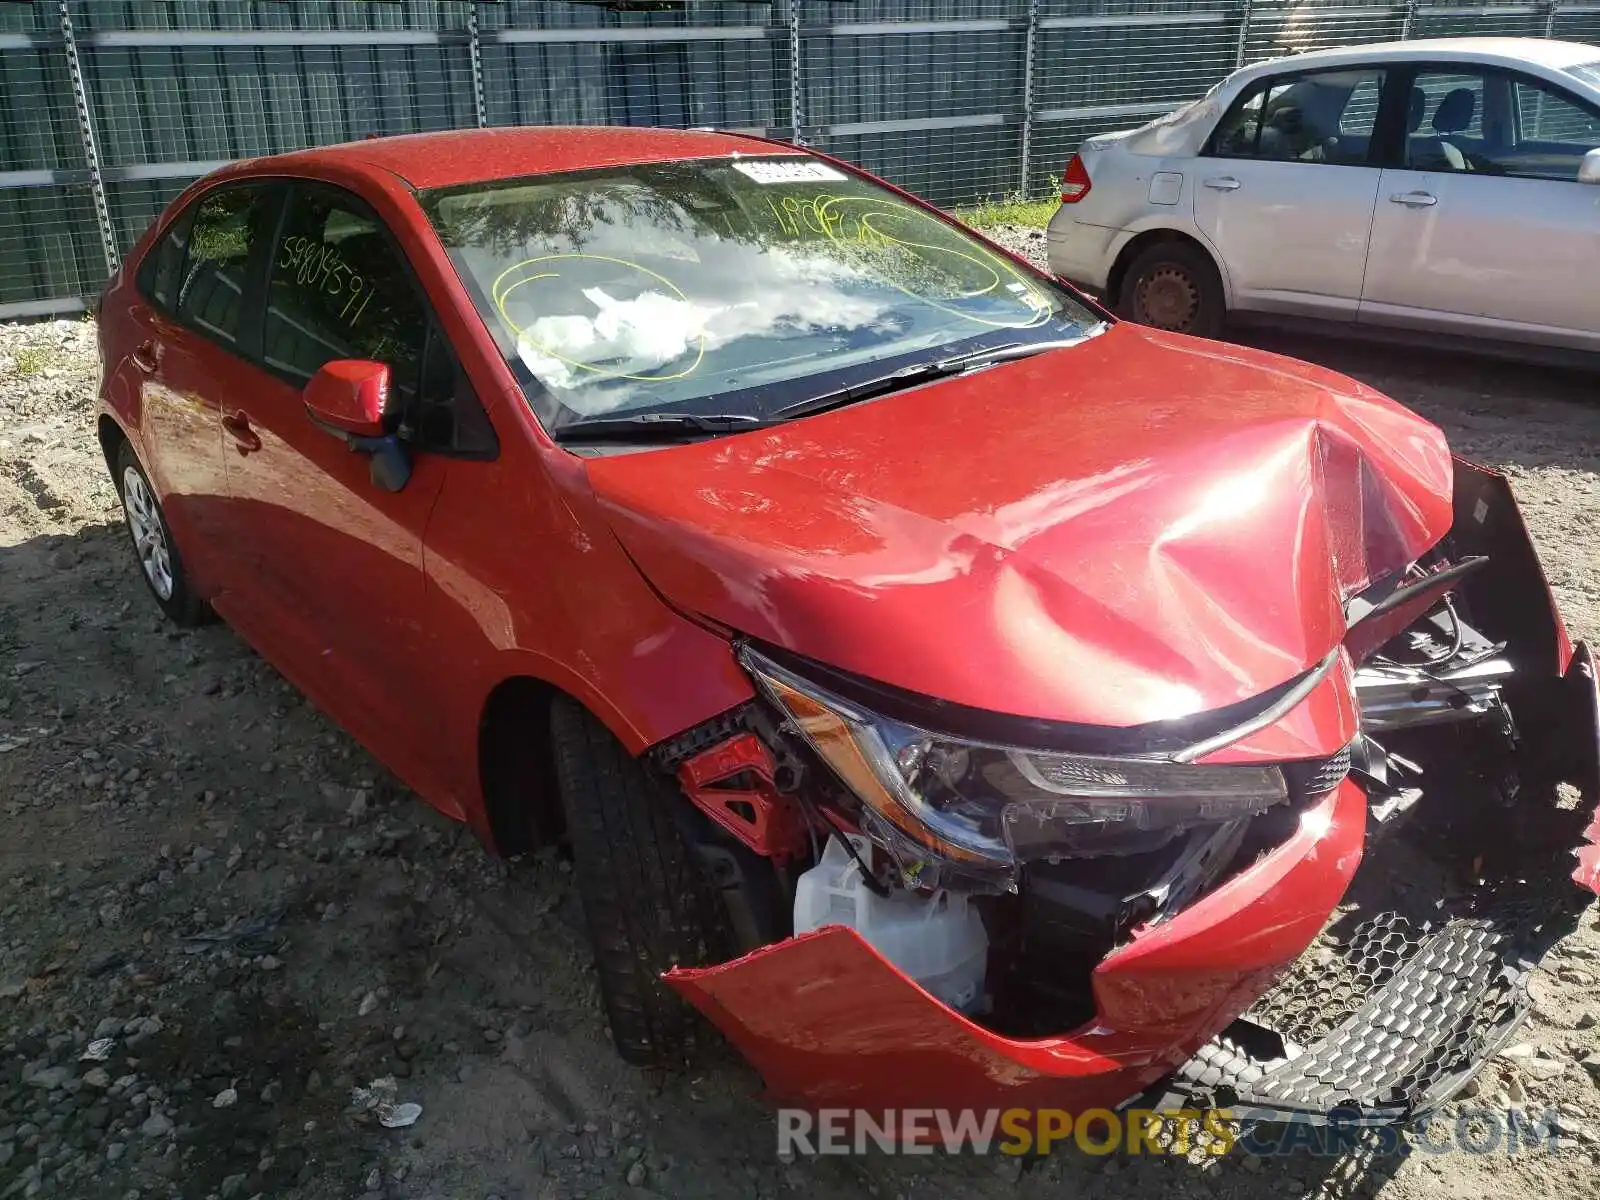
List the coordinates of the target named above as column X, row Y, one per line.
column 723, row 284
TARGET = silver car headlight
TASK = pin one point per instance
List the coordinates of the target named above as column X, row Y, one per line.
column 991, row 807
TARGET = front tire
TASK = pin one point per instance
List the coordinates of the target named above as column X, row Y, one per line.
column 647, row 904
column 157, row 554
column 1174, row 286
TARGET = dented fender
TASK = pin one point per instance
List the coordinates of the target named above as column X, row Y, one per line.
column 829, row 1022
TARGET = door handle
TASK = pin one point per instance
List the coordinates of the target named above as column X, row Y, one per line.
column 1222, row 183
column 246, row 439
column 1414, row 199
column 147, row 357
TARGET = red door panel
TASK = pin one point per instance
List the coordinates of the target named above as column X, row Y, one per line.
column 335, row 559
column 335, row 570
column 179, row 350
column 177, row 377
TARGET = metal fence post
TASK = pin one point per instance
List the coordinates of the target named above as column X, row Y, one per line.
column 475, row 52
column 91, row 149
column 1244, row 34
column 1408, row 20
column 797, row 104
column 1550, row 18
column 1027, row 99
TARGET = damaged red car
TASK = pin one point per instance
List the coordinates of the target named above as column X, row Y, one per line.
column 958, row 696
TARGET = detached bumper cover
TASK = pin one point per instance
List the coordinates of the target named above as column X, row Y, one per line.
column 829, row 1023
column 1396, row 1016
column 1377, row 988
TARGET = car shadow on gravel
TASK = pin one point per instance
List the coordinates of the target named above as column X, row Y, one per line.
column 1498, row 411
column 1483, row 373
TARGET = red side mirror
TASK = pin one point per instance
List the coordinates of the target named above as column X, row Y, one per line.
column 350, row 395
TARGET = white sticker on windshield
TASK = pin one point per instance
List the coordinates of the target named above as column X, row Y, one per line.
column 801, row 170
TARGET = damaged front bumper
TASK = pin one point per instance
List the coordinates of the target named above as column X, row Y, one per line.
column 1391, row 1006
column 830, row 1023
column 1374, row 957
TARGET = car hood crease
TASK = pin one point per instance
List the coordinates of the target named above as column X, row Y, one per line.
column 1133, row 530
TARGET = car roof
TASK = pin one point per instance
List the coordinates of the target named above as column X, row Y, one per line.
column 1498, row 51
column 429, row 160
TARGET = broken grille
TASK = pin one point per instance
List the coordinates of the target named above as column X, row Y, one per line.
column 1392, row 1007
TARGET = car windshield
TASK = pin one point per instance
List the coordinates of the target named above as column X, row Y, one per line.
column 735, row 285
column 1589, row 72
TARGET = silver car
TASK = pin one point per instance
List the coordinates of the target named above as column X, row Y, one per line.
column 1450, row 187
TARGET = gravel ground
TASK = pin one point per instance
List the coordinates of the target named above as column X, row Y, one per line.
column 218, row 915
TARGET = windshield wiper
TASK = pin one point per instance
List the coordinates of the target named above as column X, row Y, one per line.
column 1016, row 350
column 651, row 426
column 664, row 426
column 922, row 372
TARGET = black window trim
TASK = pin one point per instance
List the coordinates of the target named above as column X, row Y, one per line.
column 1375, row 147
column 1408, row 71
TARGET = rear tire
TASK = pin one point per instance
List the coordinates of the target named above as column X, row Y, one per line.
column 646, row 902
column 1174, row 286
column 160, row 563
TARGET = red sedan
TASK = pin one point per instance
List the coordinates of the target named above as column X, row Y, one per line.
column 957, row 696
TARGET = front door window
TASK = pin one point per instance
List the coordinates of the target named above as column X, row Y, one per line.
column 337, row 289
column 1552, row 133
column 1492, row 123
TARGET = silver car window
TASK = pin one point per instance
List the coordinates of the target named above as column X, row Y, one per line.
column 1322, row 117
column 1445, row 120
column 1553, row 133
column 1489, row 122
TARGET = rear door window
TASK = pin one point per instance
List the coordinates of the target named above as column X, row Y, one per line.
column 230, row 225
column 1321, row 117
column 161, row 272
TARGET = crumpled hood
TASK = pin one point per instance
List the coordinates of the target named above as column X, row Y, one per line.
column 1135, row 529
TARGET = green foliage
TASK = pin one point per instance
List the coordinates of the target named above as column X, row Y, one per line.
column 32, row 360
column 1015, row 209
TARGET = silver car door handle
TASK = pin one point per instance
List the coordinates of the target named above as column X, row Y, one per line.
column 1414, row 199
column 1223, row 183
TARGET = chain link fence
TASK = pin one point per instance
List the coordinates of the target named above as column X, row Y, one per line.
column 109, row 108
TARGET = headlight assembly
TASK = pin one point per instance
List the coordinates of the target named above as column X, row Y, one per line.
column 989, row 807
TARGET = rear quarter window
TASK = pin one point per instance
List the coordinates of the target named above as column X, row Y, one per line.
column 162, row 268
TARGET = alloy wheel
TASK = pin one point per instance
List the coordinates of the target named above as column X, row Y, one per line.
column 149, row 534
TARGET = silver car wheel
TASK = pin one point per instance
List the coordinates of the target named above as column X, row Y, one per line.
column 149, row 535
